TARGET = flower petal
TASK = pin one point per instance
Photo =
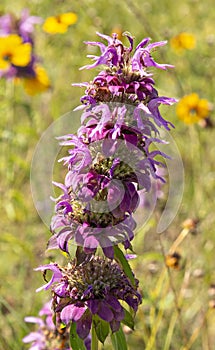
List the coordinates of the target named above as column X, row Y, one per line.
column 56, row 277
column 33, row 336
column 72, row 313
column 93, row 305
column 84, row 325
column 105, row 312
column 32, row 319
column 114, row 303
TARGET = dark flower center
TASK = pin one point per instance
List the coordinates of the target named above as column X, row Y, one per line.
column 91, row 216
column 7, row 57
column 193, row 111
column 121, row 171
column 94, row 279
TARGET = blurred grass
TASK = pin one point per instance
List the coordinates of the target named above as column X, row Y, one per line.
column 159, row 326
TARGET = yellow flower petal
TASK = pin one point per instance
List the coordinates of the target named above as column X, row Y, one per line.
column 203, row 108
column 68, row 18
column 22, row 55
column 188, row 41
column 14, row 51
column 37, row 84
column 192, row 100
column 7, row 46
column 4, row 64
column 10, row 42
column 53, row 25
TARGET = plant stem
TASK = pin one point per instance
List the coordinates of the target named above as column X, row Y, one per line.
column 94, row 340
column 176, row 301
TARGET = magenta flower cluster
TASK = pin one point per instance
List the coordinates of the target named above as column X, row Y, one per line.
column 110, row 160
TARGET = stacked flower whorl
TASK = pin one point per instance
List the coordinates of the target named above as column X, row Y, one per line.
column 110, row 159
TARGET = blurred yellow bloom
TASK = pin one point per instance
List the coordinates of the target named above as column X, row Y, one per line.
column 14, row 51
column 118, row 31
column 37, row 84
column 183, row 41
column 191, row 109
column 173, row 260
column 60, row 23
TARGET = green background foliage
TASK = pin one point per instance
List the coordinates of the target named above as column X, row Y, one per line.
column 174, row 314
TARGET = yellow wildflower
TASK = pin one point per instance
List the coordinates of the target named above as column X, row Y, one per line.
column 183, row 41
column 60, row 23
column 191, row 109
column 14, row 51
column 37, row 84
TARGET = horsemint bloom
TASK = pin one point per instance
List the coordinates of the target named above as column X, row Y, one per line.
column 95, row 287
column 101, row 186
column 126, row 78
column 110, row 159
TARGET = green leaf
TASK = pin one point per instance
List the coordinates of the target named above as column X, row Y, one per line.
column 118, row 340
column 75, row 342
column 128, row 319
column 101, row 328
column 119, row 256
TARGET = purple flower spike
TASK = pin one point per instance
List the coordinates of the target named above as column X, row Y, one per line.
column 109, row 162
column 112, row 167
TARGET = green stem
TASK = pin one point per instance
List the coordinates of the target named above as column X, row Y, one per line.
column 195, row 151
column 94, row 340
